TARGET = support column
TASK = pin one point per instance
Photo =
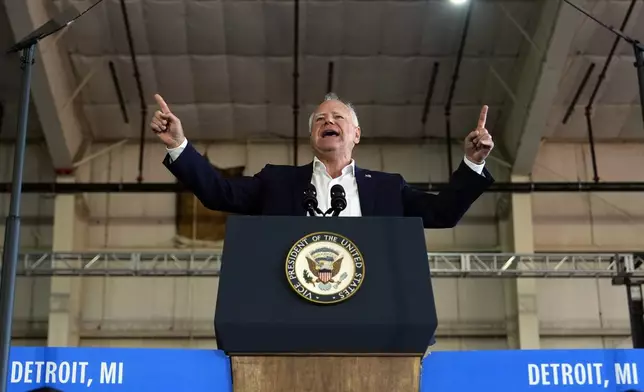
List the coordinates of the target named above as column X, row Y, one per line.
column 69, row 235
column 521, row 293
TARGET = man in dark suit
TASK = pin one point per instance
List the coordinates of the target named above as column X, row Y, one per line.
column 335, row 130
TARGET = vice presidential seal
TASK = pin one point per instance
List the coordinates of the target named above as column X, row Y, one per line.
column 325, row 268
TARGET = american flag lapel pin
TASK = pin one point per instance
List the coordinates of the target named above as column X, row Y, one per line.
column 368, row 175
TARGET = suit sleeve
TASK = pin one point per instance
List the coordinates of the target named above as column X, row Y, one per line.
column 445, row 209
column 236, row 195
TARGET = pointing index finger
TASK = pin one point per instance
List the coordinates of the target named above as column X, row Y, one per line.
column 164, row 106
column 483, row 117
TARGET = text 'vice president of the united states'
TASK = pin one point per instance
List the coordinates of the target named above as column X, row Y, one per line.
column 334, row 132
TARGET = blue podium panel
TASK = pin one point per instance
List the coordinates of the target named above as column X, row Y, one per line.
column 171, row 370
column 534, row 371
column 128, row 370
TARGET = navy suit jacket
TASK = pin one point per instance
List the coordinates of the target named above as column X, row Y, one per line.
column 279, row 190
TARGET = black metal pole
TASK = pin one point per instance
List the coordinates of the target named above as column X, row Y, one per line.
column 639, row 64
column 329, row 80
column 600, row 80
column 1, row 114
column 428, row 96
column 637, row 48
column 174, row 187
column 633, row 298
column 139, row 87
column 635, row 313
column 12, row 233
column 448, row 105
column 580, row 89
column 591, row 141
column 448, row 143
column 296, row 74
column 119, row 93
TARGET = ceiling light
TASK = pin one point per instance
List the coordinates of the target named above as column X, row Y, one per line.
column 458, row 2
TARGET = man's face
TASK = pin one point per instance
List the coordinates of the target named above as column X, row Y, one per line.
column 333, row 129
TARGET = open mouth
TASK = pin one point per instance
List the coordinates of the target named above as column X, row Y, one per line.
column 329, row 133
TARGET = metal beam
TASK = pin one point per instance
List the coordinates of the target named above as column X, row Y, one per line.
column 53, row 84
column 475, row 265
column 170, row 187
column 538, row 82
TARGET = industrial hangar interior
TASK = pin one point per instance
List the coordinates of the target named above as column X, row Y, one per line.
column 523, row 269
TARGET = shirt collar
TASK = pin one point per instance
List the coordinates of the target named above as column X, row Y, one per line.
column 319, row 166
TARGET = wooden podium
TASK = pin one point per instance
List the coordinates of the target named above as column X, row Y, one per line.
column 325, row 373
column 325, row 304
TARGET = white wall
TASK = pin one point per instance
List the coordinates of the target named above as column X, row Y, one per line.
column 36, row 210
column 593, row 222
column 472, row 313
column 563, row 222
column 589, row 221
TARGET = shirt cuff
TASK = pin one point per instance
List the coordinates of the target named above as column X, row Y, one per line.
column 478, row 168
column 175, row 152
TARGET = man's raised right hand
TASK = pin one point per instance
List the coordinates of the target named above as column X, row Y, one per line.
column 166, row 125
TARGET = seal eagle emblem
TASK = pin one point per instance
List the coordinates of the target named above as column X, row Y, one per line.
column 325, row 268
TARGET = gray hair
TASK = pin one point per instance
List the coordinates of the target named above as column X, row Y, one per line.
column 334, row 97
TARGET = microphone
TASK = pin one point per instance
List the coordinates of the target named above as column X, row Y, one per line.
column 338, row 199
column 310, row 201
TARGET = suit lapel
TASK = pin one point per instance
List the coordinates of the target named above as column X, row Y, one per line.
column 302, row 180
column 366, row 191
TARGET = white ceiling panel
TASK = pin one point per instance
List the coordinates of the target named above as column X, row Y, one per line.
column 595, row 40
column 214, row 79
column 163, row 73
column 10, row 88
column 622, row 88
column 116, row 27
column 205, row 28
column 632, row 128
column 215, row 122
column 107, row 123
column 226, row 66
column 614, row 115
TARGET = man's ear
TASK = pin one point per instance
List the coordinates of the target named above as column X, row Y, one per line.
column 358, row 134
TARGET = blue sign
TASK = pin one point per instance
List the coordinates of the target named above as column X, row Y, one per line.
column 105, row 369
column 534, row 371
column 135, row 370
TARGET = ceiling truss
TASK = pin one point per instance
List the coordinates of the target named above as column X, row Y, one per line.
column 205, row 264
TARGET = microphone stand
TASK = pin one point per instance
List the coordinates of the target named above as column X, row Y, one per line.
column 337, row 206
column 314, row 211
column 638, row 49
column 12, row 229
column 335, row 210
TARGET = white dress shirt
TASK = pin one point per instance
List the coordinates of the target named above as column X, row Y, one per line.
column 323, row 181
